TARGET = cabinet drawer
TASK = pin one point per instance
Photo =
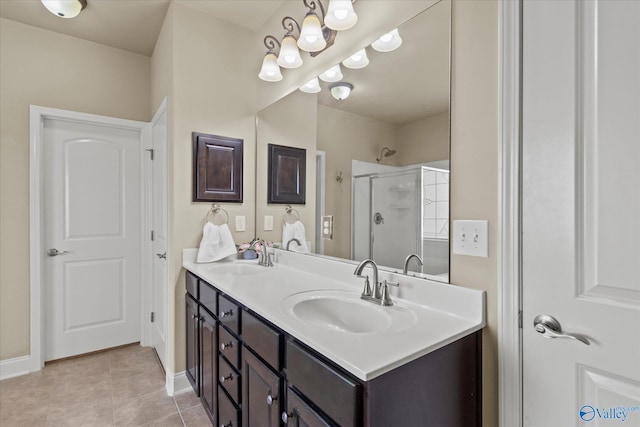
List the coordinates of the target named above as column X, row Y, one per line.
column 229, row 314
column 229, row 347
column 228, row 414
column 305, row 414
column 262, row 339
column 208, row 297
column 334, row 393
column 192, row 285
column 229, row 379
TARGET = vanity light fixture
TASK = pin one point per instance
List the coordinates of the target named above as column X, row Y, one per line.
column 314, row 36
column 312, row 86
column 333, row 74
column 289, row 56
column 341, row 90
column 65, row 8
column 357, row 60
column 270, row 71
column 340, row 15
column 388, row 42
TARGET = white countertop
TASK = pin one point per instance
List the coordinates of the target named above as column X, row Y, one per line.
column 427, row 315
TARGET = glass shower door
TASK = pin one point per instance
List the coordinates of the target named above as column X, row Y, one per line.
column 396, row 217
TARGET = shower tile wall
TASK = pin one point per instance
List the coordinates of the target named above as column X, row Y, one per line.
column 435, row 221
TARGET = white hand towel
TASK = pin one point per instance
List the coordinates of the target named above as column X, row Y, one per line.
column 216, row 244
column 294, row 231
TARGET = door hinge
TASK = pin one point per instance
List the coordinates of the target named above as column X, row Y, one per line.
column 150, row 150
column 520, row 319
column 152, row 235
column 153, row 317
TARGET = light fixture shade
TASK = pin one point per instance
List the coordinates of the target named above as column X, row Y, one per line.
column 357, row 60
column 312, row 86
column 341, row 90
column 289, row 56
column 388, row 42
column 270, row 71
column 340, row 15
column 65, row 8
column 333, row 74
column 311, row 38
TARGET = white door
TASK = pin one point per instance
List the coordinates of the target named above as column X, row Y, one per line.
column 581, row 212
column 92, row 217
column 158, row 214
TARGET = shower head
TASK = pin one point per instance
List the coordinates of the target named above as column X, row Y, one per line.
column 386, row 152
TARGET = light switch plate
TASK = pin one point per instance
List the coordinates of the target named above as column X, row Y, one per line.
column 241, row 223
column 268, row 222
column 471, row 238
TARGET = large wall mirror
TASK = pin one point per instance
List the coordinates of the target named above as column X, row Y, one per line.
column 378, row 161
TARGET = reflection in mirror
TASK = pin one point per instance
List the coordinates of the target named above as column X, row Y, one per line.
column 381, row 174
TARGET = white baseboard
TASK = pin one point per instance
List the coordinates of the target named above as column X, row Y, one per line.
column 15, row 367
column 177, row 383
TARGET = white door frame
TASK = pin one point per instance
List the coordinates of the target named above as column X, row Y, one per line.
column 509, row 252
column 37, row 115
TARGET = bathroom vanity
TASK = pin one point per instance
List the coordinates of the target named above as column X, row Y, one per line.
column 269, row 346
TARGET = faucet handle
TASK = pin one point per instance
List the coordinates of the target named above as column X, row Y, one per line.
column 366, row 292
column 385, row 298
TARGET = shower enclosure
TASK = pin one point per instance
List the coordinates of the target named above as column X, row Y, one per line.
column 403, row 212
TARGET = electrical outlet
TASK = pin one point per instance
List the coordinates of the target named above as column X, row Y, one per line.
column 268, row 222
column 327, row 227
column 471, row 238
column 241, row 223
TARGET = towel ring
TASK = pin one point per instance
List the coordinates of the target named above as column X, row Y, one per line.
column 215, row 210
column 290, row 211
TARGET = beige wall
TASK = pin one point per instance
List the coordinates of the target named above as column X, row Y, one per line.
column 212, row 88
column 474, row 165
column 290, row 122
column 44, row 68
column 423, row 140
column 345, row 137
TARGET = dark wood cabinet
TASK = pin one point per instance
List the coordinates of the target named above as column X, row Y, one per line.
column 262, row 390
column 209, row 360
column 193, row 343
column 248, row 372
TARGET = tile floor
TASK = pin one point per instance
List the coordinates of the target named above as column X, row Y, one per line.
column 119, row 387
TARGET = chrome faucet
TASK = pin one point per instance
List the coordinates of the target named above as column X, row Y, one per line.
column 293, row 239
column 367, row 293
column 265, row 258
column 406, row 262
column 380, row 292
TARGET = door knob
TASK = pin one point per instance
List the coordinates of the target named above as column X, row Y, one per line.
column 162, row 256
column 55, row 252
column 549, row 327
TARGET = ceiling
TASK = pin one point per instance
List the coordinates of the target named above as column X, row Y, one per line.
column 133, row 25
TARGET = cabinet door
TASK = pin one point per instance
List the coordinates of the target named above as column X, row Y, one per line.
column 192, row 322
column 300, row 414
column 209, row 358
column 260, row 393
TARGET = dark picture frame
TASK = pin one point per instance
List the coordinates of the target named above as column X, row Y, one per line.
column 287, row 175
column 217, row 168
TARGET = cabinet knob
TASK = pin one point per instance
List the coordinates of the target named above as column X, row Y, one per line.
column 285, row 417
column 226, row 314
column 227, row 378
column 270, row 399
column 224, row 346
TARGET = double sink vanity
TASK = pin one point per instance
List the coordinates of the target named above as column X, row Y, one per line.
column 295, row 344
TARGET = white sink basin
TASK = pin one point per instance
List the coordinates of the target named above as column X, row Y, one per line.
column 345, row 312
column 237, row 269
